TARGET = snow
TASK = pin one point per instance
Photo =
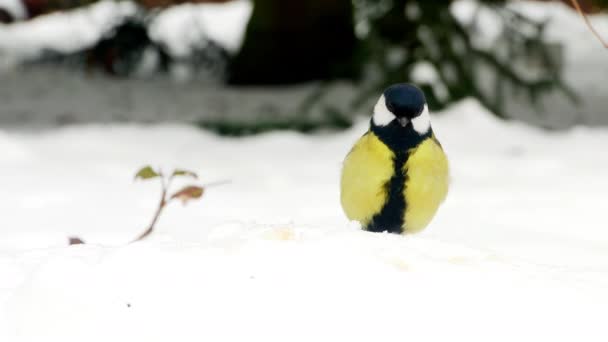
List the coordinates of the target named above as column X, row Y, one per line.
column 145, row 100
column 184, row 26
column 583, row 60
column 517, row 252
column 65, row 32
column 178, row 27
column 426, row 73
column 556, row 14
column 15, row 8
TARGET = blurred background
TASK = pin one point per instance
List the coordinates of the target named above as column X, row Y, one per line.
column 246, row 66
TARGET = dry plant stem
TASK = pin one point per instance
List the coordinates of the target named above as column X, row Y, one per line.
column 165, row 186
column 161, row 206
column 580, row 11
column 164, row 201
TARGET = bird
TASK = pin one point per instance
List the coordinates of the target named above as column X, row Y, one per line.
column 396, row 175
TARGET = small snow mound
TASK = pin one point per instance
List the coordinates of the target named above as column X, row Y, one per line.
column 62, row 31
column 183, row 27
column 15, row 8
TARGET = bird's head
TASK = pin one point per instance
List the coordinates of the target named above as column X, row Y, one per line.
column 402, row 106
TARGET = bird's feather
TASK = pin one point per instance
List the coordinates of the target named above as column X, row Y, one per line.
column 366, row 172
column 427, row 184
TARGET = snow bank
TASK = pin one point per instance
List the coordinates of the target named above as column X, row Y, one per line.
column 179, row 27
column 64, row 32
column 278, row 284
column 15, row 8
column 184, row 26
column 517, row 252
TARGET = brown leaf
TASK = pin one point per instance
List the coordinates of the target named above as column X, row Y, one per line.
column 189, row 193
column 74, row 240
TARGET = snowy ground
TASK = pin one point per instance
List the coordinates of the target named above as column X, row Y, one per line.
column 519, row 252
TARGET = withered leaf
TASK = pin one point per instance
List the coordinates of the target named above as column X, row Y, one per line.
column 189, row 193
column 74, row 240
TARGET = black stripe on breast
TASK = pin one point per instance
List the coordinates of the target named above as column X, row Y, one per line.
column 401, row 140
column 390, row 218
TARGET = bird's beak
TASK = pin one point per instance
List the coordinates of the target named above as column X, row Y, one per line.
column 403, row 121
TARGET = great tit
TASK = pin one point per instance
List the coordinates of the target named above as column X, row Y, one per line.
column 397, row 174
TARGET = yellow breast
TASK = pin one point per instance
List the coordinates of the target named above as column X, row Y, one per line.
column 426, row 184
column 366, row 171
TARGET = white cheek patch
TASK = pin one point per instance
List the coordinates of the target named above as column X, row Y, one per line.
column 422, row 123
column 382, row 116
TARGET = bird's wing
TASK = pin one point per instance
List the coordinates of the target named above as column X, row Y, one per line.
column 427, row 183
column 366, row 172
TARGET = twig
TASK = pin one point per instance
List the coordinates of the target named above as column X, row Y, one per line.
column 161, row 206
column 191, row 192
column 164, row 200
column 580, row 11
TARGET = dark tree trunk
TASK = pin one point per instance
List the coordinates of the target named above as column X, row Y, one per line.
column 296, row 41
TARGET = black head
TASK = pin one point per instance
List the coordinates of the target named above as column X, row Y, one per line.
column 401, row 117
column 404, row 100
